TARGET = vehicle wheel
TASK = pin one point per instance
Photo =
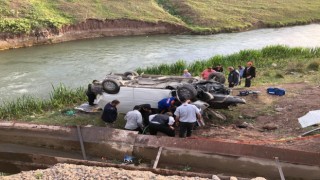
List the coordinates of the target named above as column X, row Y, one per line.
column 111, row 86
column 130, row 73
column 218, row 76
column 186, row 91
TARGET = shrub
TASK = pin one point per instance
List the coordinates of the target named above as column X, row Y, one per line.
column 314, row 66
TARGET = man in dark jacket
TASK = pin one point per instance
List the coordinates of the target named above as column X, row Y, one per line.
column 110, row 112
column 233, row 77
column 218, row 68
column 249, row 73
column 162, row 123
column 90, row 92
column 146, row 111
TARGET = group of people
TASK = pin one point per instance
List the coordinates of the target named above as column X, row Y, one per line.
column 171, row 113
column 234, row 77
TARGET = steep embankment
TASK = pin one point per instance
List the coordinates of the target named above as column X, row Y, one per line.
column 213, row 16
column 29, row 22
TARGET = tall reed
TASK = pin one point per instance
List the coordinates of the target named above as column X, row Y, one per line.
column 262, row 59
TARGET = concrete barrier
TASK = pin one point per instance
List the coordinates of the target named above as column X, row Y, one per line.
column 38, row 146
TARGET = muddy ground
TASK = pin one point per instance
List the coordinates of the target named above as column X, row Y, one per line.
column 280, row 112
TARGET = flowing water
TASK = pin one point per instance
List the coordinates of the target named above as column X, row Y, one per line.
column 34, row 70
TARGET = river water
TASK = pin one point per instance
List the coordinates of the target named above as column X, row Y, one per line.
column 34, row 70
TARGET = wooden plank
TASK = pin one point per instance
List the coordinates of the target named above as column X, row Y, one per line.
column 157, row 158
column 279, row 168
column 306, row 133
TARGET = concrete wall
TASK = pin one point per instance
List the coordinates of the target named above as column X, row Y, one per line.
column 209, row 156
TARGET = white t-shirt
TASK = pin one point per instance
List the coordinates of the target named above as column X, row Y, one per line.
column 134, row 120
column 187, row 113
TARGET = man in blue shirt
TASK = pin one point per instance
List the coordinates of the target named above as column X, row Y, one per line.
column 110, row 112
column 166, row 105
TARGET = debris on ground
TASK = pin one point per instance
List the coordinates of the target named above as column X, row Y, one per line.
column 311, row 118
column 270, row 127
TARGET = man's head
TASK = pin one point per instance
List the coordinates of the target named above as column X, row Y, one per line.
column 218, row 66
column 209, row 68
column 95, row 82
column 240, row 67
column 249, row 64
column 230, row 68
column 137, row 107
column 184, row 100
column 146, row 107
column 185, row 71
column 115, row 102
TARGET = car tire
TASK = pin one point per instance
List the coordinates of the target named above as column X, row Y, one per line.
column 130, row 73
column 111, row 86
column 186, row 91
column 217, row 76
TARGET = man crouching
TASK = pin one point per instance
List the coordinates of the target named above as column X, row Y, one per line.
column 162, row 123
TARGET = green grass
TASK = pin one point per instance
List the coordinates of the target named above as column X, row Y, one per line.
column 283, row 56
column 232, row 15
column 205, row 16
column 60, row 97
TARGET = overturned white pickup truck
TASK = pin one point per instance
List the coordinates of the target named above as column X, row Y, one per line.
column 132, row 89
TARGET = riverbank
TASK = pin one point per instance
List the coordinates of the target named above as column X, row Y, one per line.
column 295, row 69
column 275, row 65
column 28, row 23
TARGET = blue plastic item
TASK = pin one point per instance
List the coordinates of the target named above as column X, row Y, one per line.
column 276, row 91
column 128, row 159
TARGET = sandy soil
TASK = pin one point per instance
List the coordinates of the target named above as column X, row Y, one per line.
column 279, row 111
column 69, row 171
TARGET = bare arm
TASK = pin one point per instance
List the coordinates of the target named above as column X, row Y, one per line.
column 177, row 120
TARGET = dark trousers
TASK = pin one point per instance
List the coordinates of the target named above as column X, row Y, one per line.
column 185, row 128
column 248, row 82
column 91, row 98
column 231, row 85
column 154, row 128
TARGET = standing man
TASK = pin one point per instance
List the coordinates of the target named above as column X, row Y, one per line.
column 186, row 115
column 249, row 73
column 205, row 74
column 134, row 120
column 110, row 112
column 241, row 70
column 186, row 74
column 163, row 123
column 218, row 68
column 233, row 77
column 91, row 92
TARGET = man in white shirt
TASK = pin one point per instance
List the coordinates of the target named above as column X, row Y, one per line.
column 162, row 123
column 134, row 120
column 187, row 115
